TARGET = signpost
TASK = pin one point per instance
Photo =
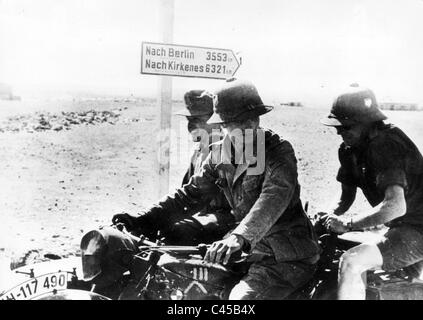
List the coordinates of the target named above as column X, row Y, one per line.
column 187, row 61
column 164, row 102
column 167, row 60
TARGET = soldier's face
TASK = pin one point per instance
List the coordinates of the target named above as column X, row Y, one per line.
column 241, row 132
column 230, row 127
column 351, row 135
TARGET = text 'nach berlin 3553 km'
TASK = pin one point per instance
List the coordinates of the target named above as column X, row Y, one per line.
column 188, row 61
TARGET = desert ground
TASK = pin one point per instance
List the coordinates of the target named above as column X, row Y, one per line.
column 68, row 166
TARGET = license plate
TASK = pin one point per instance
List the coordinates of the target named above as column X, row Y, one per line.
column 34, row 287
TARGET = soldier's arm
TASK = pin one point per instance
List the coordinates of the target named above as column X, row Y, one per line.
column 277, row 190
column 390, row 160
column 190, row 198
column 190, row 171
column 344, row 201
column 393, row 206
column 348, row 182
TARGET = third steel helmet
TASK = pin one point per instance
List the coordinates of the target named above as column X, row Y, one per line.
column 356, row 105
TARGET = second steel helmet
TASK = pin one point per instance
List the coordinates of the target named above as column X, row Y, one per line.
column 197, row 103
column 356, row 105
column 237, row 100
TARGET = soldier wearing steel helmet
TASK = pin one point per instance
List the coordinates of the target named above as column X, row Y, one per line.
column 198, row 109
column 386, row 165
column 263, row 192
column 214, row 220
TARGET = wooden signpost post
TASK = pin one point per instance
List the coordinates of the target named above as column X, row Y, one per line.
column 165, row 102
column 166, row 60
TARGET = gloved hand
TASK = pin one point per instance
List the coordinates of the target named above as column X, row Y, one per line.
column 130, row 221
column 319, row 221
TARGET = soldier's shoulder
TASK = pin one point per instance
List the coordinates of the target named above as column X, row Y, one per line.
column 279, row 151
column 388, row 136
column 276, row 144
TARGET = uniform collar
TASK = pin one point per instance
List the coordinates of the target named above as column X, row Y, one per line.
column 372, row 134
column 225, row 159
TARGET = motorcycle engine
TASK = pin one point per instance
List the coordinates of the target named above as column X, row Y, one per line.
column 191, row 279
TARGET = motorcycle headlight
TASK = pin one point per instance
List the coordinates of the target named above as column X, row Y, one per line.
column 176, row 295
column 93, row 247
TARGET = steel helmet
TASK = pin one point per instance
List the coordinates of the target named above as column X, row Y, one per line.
column 356, row 105
column 237, row 100
column 197, row 103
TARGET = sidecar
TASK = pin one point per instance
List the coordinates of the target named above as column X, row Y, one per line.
column 49, row 280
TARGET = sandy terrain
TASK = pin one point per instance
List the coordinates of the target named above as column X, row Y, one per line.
column 56, row 185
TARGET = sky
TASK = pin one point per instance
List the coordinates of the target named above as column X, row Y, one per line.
column 293, row 50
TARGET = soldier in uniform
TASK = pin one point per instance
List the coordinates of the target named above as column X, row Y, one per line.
column 215, row 219
column 264, row 194
column 198, row 109
column 386, row 165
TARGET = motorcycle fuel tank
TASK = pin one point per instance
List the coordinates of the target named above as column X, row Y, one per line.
column 194, row 278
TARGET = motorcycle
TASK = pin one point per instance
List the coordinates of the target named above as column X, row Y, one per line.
column 157, row 271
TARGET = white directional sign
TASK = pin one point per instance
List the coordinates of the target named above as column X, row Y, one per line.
column 187, row 61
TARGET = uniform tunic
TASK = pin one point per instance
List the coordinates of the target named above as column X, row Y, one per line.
column 388, row 157
column 266, row 207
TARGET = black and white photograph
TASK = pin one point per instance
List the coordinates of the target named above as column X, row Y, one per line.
column 211, row 150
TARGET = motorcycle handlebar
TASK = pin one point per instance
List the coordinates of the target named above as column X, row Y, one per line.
column 145, row 244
